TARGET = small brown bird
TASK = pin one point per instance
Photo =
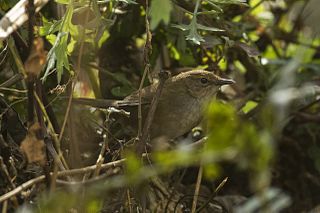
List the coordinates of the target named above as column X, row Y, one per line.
column 180, row 106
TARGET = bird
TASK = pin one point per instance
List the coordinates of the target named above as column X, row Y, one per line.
column 180, row 106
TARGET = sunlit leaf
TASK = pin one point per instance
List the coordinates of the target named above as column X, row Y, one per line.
column 128, row 1
column 49, row 27
column 249, row 106
column 63, row 1
column 133, row 164
column 160, row 11
column 52, row 55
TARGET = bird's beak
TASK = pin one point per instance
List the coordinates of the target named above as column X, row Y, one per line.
column 224, row 81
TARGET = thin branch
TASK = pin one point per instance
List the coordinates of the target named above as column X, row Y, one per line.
column 163, row 76
column 13, row 80
column 78, row 70
column 146, row 54
column 224, row 181
column 197, row 189
column 58, row 156
column 79, row 171
column 17, row 16
column 41, row 178
column 31, row 22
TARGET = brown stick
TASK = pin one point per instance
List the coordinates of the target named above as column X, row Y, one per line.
column 146, row 54
column 163, row 76
column 197, row 189
column 13, row 80
column 39, row 179
column 67, row 173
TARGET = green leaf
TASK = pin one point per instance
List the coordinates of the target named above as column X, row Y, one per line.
column 193, row 33
column 250, row 105
column 212, row 29
column 57, row 53
column 63, row 1
column 62, row 57
column 182, row 27
column 133, row 164
column 211, row 171
column 160, row 11
column 215, row 6
column 193, row 28
column 49, row 27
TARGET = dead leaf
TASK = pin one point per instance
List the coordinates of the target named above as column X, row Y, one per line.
column 33, row 147
column 36, row 60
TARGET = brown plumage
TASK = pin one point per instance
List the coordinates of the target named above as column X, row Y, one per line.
column 181, row 103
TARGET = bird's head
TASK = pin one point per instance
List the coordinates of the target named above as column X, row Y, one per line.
column 202, row 84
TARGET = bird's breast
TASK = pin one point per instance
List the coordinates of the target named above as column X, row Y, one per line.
column 175, row 118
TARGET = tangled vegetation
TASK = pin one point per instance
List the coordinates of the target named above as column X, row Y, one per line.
column 64, row 146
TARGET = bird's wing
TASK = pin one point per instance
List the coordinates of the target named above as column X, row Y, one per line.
column 147, row 94
column 133, row 99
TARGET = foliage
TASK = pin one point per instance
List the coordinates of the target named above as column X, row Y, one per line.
column 264, row 126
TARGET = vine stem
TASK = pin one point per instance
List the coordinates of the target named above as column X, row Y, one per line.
column 146, row 53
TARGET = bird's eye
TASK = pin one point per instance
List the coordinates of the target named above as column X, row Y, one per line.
column 204, row 80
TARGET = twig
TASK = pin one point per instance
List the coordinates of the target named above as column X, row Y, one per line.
column 5, row 207
column 68, row 109
column 251, row 9
column 30, row 103
column 43, row 128
column 13, row 80
column 71, row 172
column 97, row 103
column 163, row 76
column 129, row 201
column 17, row 16
column 146, row 54
column 31, row 22
column 13, row 90
column 101, row 156
column 197, row 189
column 49, row 110
column 295, row 27
column 87, row 181
column 146, row 70
column 309, row 117
column 54, row 176
column 79, row 60
column 4, row 52
column 39, row 179
column 309, row 105
column 17, row 59
column 214, row 194
column 58, row 156
column 5, row 173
